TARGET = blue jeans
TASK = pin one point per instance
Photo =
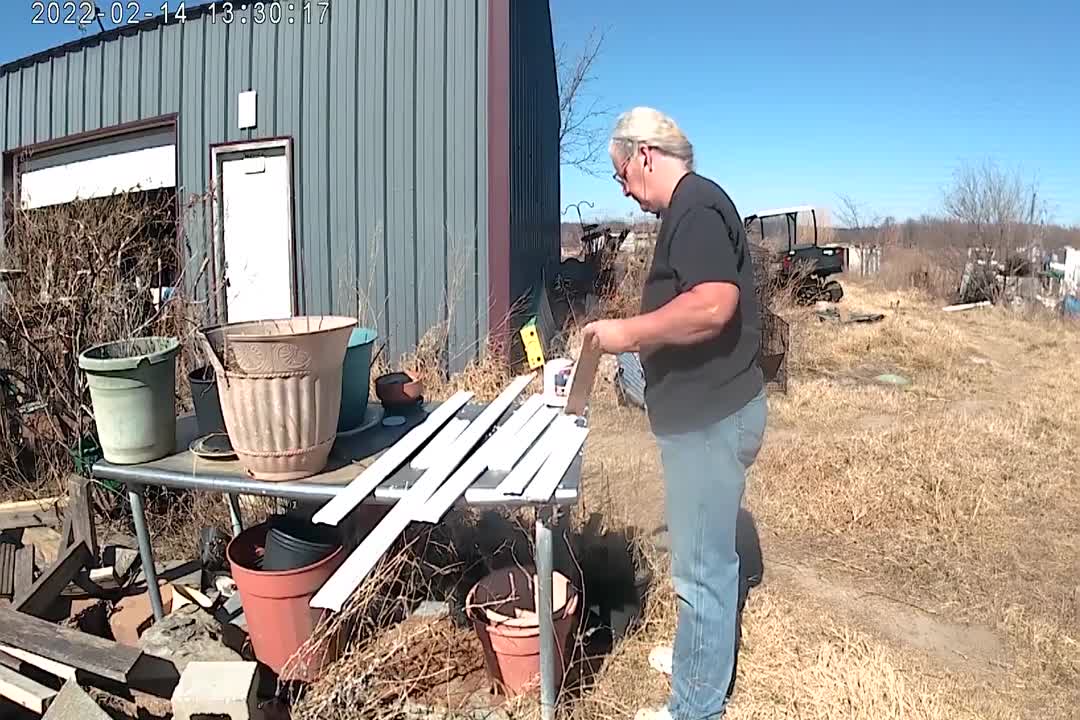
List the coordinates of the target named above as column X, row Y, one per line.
column 705, row 475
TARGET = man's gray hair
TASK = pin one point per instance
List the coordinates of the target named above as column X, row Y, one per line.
column 650, row 127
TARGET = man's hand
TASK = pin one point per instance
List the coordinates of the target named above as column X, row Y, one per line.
column 611, row 336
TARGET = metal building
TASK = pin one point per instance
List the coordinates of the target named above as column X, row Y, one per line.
column 399, row 156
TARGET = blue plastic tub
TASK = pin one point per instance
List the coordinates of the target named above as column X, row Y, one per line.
column 356, row 379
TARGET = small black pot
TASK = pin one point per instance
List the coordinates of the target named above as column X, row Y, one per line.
column 204, row 395
column 292, row 543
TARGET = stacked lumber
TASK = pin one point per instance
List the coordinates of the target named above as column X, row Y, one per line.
column 535, row 445
column 43, row 664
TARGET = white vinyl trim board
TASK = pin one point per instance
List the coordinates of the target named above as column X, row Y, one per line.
column 334, row 511
column 515, row 482
column 523, row 414
column 437, row 505
column 439, row 444
column 507, row 455
column 525, row 470
column 343, row 583
column 144, row 169
column 554, row 468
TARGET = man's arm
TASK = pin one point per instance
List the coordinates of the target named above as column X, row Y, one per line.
column 700, row 313
column 707, row 272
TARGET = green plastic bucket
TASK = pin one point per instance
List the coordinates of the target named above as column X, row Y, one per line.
column 356, row 379
column 133, row 391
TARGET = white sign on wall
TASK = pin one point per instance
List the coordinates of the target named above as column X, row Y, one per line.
column 246, row 110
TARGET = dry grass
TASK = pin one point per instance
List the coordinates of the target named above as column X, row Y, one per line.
column 954, row 500
column 957, row 498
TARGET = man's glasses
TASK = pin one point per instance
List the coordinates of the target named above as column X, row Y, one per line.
column 619, row 176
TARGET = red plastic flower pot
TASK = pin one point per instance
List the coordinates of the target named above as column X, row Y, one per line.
column 276, row 607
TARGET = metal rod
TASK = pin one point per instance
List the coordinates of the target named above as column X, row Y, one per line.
column 234, row 513
column 146, row 552
column 545, row 566
column 388, row 494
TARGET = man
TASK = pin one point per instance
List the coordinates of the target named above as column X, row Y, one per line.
column 698, row 335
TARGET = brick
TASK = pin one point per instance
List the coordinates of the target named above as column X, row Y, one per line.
column 133, row 615
column 217, row 689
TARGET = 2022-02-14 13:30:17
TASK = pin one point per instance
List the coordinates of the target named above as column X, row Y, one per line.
column 130, row 12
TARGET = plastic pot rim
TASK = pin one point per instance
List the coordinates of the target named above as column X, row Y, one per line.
column 255, row 529
column 170, row 347
column 513, row 627
column 362, row 336
column 521, row 631
column 327, row 324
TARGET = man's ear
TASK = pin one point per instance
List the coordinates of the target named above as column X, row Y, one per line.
column 646, row 158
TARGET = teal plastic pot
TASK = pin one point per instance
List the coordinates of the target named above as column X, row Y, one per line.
column 133, row 391
column 356, row 379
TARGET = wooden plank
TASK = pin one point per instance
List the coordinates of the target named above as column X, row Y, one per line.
column 21, row 690
column 81, row 508
column 80, row 650
column 42, row 505
column 439, row 444
column 333, row 594
column 7, row 568
column 52, row 667
column 47, row 588
column 12, row 520
column 24, row 569
column 31, row 513
column 443, row 498
column 581, row 381
column 507, row 455
column 551, row 473
column 334, row 511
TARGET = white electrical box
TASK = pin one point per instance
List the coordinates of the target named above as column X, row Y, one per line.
column 246, row 110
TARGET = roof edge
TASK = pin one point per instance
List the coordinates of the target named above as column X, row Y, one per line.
column 192, row 13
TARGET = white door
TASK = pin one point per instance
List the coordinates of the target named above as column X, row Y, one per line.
column 257, row 232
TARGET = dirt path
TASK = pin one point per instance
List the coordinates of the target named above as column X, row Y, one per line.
column 959, row 648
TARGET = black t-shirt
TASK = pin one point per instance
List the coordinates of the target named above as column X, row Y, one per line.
column 701, row 240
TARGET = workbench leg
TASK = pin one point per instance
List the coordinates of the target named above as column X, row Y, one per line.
column 146, row 553
column 234, row 513
column 545, row 567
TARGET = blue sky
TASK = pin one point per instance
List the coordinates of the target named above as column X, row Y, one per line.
column 792, row 102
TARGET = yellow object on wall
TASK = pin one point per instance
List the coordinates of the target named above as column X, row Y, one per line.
column 534, row 350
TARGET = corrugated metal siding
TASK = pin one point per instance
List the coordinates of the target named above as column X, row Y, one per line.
column 534, row 150
column 385, row 103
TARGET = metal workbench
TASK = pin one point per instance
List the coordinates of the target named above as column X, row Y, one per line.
column 352, row 452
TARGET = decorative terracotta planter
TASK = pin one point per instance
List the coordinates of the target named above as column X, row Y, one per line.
column 279, row 382
column 512, row 643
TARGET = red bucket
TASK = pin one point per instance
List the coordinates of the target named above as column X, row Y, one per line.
column 276, row 607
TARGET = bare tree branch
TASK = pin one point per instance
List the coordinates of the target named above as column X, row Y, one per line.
column 994, row 202
column 855, row 215
column 582, row 119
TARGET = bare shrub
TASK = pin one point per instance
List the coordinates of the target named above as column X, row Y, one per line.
column 934, row 272
column 89, row 270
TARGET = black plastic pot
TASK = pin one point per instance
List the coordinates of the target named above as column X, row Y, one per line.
column 204, row 395
column 292, row 543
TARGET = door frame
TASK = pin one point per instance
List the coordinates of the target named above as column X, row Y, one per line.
column 219, row 153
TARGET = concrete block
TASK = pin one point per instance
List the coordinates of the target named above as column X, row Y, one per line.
column 217, row 689
column 74, row 704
